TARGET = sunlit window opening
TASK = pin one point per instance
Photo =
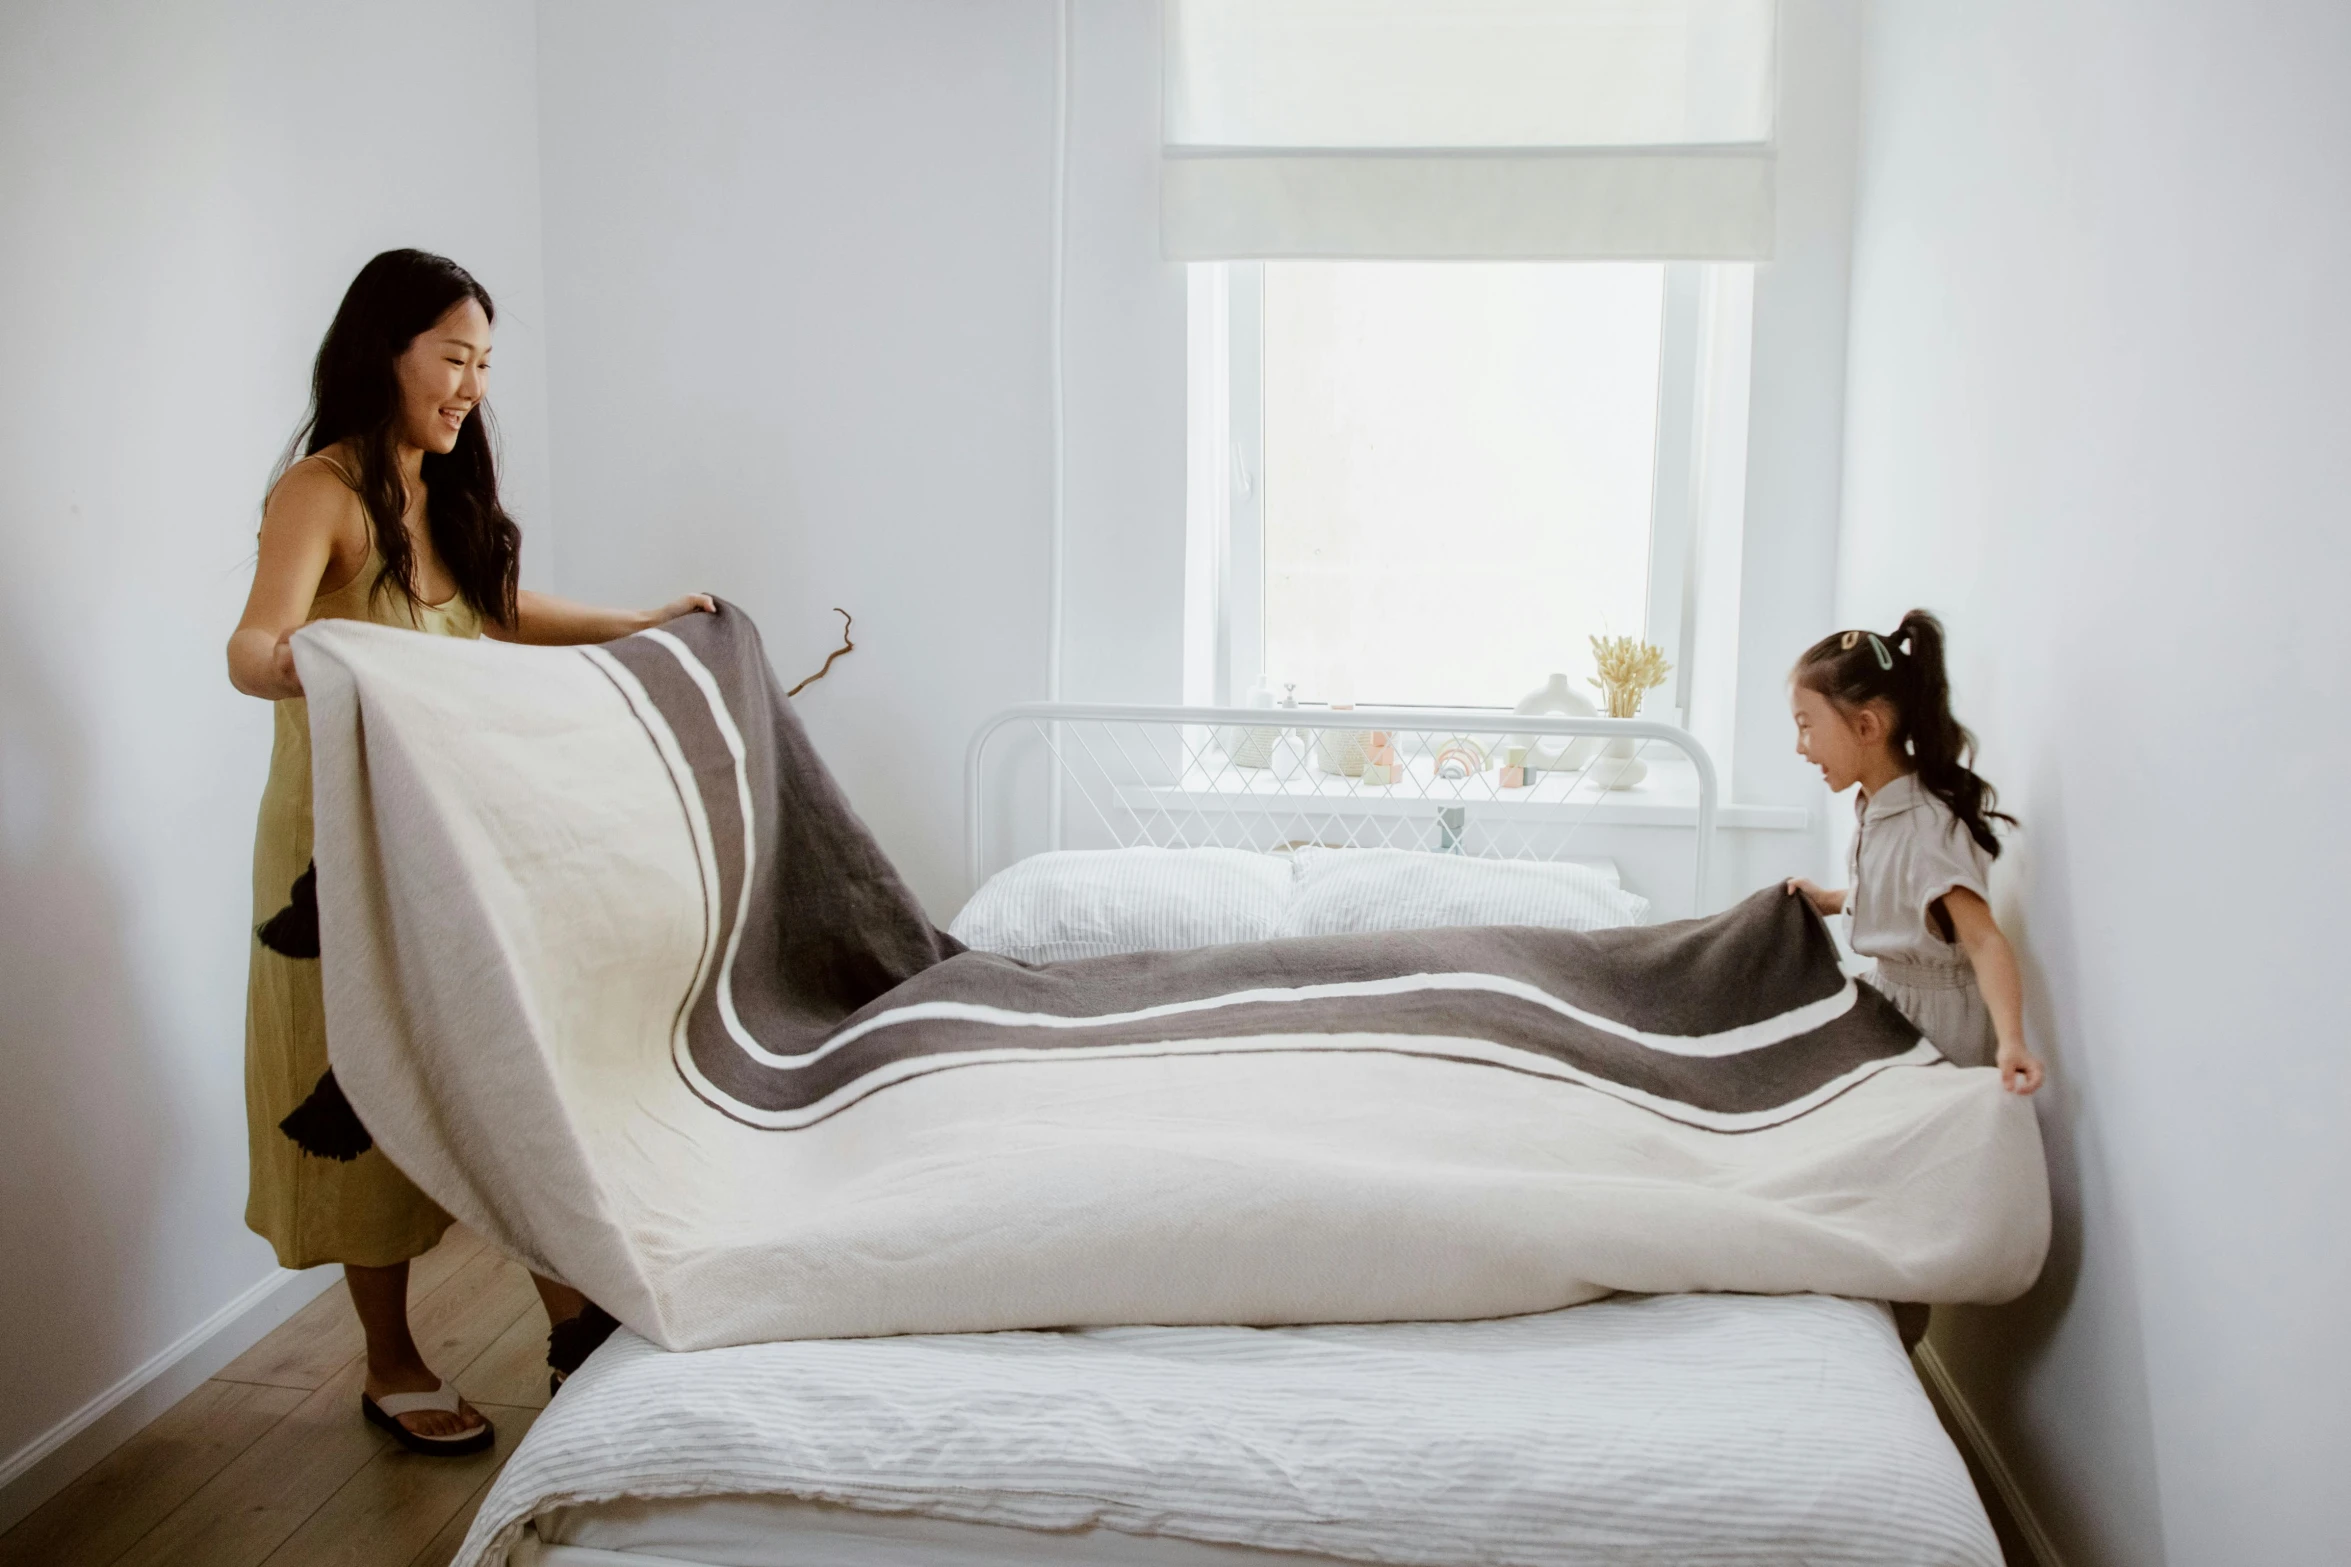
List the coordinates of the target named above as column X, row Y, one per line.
column 1459, row 461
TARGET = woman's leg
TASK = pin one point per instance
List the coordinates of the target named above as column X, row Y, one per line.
column 562, row 1301
column 575, row 1326
column 380, row 1295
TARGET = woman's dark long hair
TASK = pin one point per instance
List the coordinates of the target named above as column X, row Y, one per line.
column 1904, row 669
column 355, row 397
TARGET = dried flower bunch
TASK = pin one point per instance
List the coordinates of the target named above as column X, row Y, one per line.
column 1629, row 670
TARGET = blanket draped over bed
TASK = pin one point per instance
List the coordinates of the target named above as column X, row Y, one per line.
column 616, row 975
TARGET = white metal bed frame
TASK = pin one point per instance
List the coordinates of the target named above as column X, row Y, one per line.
column 1168, row 776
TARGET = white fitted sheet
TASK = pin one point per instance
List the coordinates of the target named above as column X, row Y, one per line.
column 1694, row 1429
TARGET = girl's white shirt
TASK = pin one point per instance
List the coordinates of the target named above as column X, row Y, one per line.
column 1909, row 851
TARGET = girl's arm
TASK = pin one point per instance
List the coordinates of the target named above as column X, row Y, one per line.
column 1820, row 897
column 1995, row 967
column 545, row 619
column 308, row 514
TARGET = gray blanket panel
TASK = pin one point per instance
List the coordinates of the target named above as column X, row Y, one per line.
column 830, row 947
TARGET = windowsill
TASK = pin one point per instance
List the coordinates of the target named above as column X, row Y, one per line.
column 1667, row 797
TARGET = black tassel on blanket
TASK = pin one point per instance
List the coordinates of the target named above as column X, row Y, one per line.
column 293, row 930
column 326, row 1125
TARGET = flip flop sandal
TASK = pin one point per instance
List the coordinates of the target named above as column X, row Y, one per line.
column 386, row 1412
column 571, row 1341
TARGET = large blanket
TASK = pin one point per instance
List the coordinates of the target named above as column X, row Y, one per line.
column 616, row 975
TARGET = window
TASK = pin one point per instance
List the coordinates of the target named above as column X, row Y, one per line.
column 1431, row 483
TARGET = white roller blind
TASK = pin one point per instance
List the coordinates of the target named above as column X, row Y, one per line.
column 1499, row 129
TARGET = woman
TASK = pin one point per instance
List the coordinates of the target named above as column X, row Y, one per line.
column 391, row 515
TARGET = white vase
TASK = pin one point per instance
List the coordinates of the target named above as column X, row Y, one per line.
column 1253, row 747
column 1558, row 697
column 1619, row 767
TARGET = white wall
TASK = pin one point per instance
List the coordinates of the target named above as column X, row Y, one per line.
column 1779, row 569
column 185, row 191
column 1125, row 324
column 799, row 264
column 1796, row 400
column 2098, row 420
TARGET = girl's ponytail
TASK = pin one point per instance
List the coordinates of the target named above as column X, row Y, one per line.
column 1905, row 669
column 1939, row 744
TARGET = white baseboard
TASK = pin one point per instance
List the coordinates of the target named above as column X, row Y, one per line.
column 1979, row 1440
column 54, row 1459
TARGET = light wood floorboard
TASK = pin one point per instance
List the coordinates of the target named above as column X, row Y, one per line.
column 270, row 1462
column 397, row 1505
column 305, row 1349
column 255, row 1503
column 103, row 1513
column 443, row 1548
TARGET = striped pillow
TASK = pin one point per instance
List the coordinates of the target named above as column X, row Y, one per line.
column 1342, row 890
column 1089, row 903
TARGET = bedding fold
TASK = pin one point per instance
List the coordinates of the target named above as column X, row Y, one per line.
column 614, row 972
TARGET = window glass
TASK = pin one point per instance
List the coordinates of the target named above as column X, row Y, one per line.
column 1458, row 464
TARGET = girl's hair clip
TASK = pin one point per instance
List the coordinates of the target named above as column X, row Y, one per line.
column 1849, row 640
column 1885, row 659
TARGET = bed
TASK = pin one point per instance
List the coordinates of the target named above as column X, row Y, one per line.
column 1685, row 1428
column 1669, row 1429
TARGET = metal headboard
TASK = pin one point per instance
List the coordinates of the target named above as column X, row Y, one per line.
column 1181, row 777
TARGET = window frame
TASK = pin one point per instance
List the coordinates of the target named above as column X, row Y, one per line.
column 1705, row 329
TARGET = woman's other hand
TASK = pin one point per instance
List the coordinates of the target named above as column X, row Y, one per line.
column 548, row 621
column 1822, row 900
column 691, row 604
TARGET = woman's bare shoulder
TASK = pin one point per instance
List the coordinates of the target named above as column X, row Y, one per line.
column 320, row 482
column 314, row 497
column 331, row 468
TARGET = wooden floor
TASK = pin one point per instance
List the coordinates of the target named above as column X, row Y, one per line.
column 269, row 1461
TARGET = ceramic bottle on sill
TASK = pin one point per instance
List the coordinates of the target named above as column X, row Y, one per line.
column 1619, row 767
column 1559, row 698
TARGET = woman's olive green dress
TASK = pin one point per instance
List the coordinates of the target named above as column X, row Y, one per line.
column 340, row 1204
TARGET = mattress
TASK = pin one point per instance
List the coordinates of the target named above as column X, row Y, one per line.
column 1691, row 1429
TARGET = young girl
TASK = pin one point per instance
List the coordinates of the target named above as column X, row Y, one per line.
column 1876, row 711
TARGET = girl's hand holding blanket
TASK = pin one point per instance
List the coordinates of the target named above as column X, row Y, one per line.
column 1819, row 897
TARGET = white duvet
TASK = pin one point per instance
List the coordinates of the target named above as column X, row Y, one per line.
column 1674, row 1429
column 615, row 975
